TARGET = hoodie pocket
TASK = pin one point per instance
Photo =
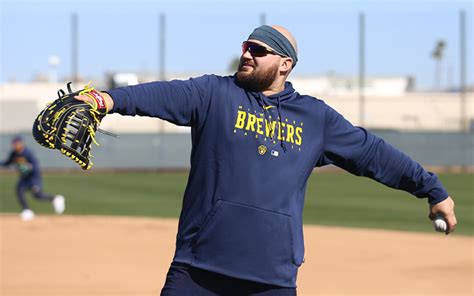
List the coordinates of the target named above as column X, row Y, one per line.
column 246, row 242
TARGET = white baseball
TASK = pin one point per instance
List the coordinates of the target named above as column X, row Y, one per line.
column 440, row 224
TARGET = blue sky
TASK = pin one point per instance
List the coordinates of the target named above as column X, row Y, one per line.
column 203, row 36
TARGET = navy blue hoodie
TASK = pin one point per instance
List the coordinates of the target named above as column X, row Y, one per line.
column 250, row 161
column 25, row 162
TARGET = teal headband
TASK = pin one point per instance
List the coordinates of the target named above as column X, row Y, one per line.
column 276, row 41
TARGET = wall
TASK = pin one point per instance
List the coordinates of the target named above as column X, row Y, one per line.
column 172, row 151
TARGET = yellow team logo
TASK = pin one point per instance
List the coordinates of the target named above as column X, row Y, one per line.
column 284, row 131
column 262, row 149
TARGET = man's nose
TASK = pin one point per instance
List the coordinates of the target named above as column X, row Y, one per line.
column 246, row 54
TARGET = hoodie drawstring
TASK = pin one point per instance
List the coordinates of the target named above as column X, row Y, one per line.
column 282, row 144
column 280, row 116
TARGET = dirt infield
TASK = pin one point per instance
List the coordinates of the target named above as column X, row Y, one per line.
column 74, row 255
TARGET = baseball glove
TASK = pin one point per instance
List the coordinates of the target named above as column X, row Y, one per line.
column 69, row 125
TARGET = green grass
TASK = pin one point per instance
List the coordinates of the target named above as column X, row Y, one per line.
column 332, row 198
column 345, row 200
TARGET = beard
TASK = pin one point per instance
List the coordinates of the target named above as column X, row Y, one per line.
column 256, row 80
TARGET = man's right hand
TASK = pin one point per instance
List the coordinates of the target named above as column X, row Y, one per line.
column 446, row 210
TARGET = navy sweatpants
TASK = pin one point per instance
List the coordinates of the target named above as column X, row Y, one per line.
column 184, row 280
column 33, row 184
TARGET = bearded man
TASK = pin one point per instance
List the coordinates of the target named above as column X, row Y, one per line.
column 255, row 142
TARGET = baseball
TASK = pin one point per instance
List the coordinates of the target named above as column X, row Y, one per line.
column 439, row 224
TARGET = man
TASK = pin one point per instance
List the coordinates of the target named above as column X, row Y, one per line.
column 255, row 142
column 30, row 179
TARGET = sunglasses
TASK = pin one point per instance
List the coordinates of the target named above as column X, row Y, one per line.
column 257, row 50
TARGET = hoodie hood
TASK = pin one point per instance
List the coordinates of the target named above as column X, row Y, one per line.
column 284, row 96
column 287, row 94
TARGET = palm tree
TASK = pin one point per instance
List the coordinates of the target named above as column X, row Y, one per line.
column 438, row 54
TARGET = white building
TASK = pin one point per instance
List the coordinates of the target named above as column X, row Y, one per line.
column 388, row 105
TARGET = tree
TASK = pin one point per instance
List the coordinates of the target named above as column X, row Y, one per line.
column 438, row 54
column 234, row 64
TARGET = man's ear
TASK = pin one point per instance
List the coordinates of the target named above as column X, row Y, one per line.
column 286, row 64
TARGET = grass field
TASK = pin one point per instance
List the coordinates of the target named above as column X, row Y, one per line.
column 332, row 198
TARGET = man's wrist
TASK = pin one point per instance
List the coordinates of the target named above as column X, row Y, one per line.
column 109, row 102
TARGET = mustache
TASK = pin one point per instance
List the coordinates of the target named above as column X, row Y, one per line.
column 245, row 62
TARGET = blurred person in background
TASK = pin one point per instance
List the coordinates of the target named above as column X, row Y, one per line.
column 255, row 142
column 30, row 179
